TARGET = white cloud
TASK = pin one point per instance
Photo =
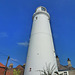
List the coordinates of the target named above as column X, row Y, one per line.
column 3, row 34
column 13, row 59
column 23, row 43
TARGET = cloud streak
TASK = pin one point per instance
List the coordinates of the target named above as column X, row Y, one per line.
column 23, row 44
column 13, row 59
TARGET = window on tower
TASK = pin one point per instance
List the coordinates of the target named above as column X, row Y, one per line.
column 36, row 18
column 30, row 69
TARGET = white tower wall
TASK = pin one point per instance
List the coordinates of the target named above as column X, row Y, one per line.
column 41, row 51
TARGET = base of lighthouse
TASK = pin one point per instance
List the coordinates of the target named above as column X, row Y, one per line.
column 41, row 59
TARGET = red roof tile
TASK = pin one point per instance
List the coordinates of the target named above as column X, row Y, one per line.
column 2, row 65
column 19, row 67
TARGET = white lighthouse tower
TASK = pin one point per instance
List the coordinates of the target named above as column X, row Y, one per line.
column 41, row 57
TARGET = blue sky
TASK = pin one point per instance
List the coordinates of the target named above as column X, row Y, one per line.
column 16, row 23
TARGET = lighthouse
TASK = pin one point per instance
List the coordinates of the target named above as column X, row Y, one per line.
column 41, row 58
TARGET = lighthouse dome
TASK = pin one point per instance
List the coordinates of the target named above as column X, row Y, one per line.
column 41, row 8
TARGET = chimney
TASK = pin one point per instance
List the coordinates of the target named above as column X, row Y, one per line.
column 11, row 66
column 57, row 59
column 24, row 65
column 69, row 62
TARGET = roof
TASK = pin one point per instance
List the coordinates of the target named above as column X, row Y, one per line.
column 61, row 67
column 10, row 70
column 2, row 69
column 19, row 67
column 2, row 65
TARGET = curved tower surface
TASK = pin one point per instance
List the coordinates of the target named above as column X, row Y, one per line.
column 41, row 56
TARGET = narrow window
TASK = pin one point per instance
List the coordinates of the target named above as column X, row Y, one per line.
column 36, row 18
column 30, row 69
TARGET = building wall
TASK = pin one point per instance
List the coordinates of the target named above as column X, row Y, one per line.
column 63, row 72
column 72, row 72
column 1, row 71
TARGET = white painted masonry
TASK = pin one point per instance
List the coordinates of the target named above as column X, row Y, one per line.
column 41, row 53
